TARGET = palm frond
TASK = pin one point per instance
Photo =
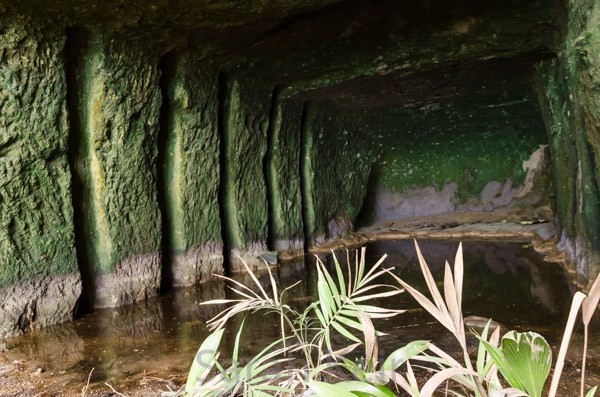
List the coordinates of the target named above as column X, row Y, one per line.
column 340, row 301
column 564, row 345
column 442, row 376
column 524, row 359
column 447, row 312
column 204, row 362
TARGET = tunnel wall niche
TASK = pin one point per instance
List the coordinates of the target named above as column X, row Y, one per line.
column 245, row 114
column 282, row 163
column 466, row 154
column 338, row 154
column 117, row 105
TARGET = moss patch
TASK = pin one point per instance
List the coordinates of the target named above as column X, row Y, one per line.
column 36, row 218
column 459, row 142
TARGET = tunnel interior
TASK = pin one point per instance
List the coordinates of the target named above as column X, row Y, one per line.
column 430, row 108
column 152, row 145
column 459, row 144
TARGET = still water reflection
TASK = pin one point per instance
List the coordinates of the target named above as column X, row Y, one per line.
column 505, row 281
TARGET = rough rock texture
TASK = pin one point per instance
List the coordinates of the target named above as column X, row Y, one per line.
column 493, row 195
column 116, row 117
column 385, row 204
column 190, row 171
column 245, row 121
column 208, row 27
column 570, row 97
column 135, row 278
column 338, row 226
column 529, row 199
column 283, row 173
column 39, row 281
column 358, row 54
column 38, row 302
column 197, row 264
column 197, row 132
column 468, row 141
column 337, row 162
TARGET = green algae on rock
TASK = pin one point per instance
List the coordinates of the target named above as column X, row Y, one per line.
column 190, row 170
column 117, row 113
column 143, row 145
column 39, row 277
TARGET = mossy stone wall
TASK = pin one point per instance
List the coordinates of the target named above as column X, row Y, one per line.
column 470, row 143
column 283, row 173
column 570, row 95
column 39, row 277
column 190, row 170
column 246, row 107
column 145, row 143
column 117, row 121
column 339, row 155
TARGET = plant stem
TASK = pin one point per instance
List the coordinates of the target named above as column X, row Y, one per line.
column 476, row 380
column 583, row 359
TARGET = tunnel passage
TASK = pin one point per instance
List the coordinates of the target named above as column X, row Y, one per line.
column 464, row 141
column 145, row 147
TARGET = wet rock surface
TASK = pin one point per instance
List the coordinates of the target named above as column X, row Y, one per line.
column 38, row 302
column 189, row 170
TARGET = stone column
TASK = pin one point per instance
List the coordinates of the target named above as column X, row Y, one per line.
column 283, row 175
column 39, row 278
column 191, row 171
column 570, row 98
column 245, row 120
column 118, row 103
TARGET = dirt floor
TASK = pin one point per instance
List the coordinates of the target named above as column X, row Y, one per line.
column 19, row 378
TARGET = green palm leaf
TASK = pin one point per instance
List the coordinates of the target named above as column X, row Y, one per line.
column 322, row 389
column 338, row 306
column 524, row 360
column 204, row 361
column 400, row 356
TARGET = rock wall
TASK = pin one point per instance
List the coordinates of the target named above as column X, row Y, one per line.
column 338, row 155
column 569, row 89
column 156, row 146
column 39, row 277
column 190, row 171
column 115, row 109
column 246, row 106
column 459, row 155
column 283, row 175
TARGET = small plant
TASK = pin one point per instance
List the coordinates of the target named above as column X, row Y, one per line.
column 251, row 379
column 342, row 309
column 520, row 360
column 588, row 304
column 524, row 360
